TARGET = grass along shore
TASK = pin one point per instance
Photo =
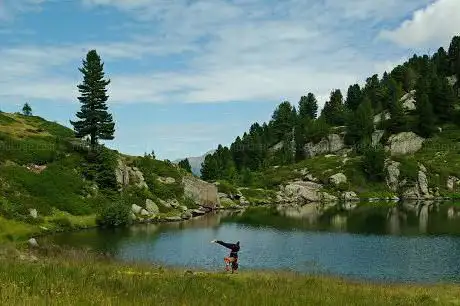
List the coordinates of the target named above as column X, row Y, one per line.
column 80, row 278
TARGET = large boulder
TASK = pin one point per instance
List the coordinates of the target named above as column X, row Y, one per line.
column 382, row 116
column 337, row 179
column 350, row 196
column 301, row 192
column 405, row 143
column 33, row 243
column 136, row 209
column 203, row 193
column 330, row 144
column 151, row 207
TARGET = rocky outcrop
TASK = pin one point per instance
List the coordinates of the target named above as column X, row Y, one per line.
column 404, row 143
column 203, row 193
column 129, row 175
column 408, row 100
column 420, row 189
column 331, row 144
column 392, row 174
column 337, row 179
column 453, row 183
column 33, row 243
column 376, row 137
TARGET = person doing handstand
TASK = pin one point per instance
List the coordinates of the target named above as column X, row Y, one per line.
column 233, row 258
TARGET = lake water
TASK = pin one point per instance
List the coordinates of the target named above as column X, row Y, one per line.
column 411, row 242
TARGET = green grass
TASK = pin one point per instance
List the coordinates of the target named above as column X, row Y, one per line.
column 75, row 279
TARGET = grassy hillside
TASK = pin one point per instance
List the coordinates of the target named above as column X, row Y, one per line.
column 80, row 279
column 44, row 168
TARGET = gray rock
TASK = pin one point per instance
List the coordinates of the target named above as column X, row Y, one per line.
column 411, row 193
column 405, row 143
column 33, row 213
column 350, row 196
column 452, row 183
column 186, row 215
column 151, row 207
column 423, row 183
column 383, row 115
column 226, row 202
column 392, row 174
column 174, row 203
column 408, row 100
column 244, row 201
column 377, row 136
column 302, row 192
column 326, row 197
column 144, row 213
column 33, row 243
column 203, row 193
column 330, row 144
column 136, row 209
column 183, row 208
column 337, row 179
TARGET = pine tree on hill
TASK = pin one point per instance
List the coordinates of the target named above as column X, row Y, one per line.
column 308, row 106
column 94, row 121
column 185, row 164
column 354, row 97
column 27, row 110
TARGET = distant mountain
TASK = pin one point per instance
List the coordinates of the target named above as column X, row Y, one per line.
column 195, row 162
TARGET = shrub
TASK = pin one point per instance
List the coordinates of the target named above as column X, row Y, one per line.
column 63, row 222
column 117, row 213
column 226, row 187
column 374, row 162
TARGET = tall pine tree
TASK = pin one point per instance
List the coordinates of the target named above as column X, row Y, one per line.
column 27, row 110
column 94, row 121
column 308, row 106
column 354, row 97
column 426, row 116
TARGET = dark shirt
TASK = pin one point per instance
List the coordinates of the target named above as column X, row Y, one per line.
column 232, row 246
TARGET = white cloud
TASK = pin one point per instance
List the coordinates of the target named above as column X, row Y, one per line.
column 236, row 51
column 433, row 25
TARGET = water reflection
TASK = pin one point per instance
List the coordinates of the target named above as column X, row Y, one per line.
column 406, row 218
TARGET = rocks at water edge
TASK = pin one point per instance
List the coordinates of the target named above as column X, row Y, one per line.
column 392, row 174
column 350, row 196
column 453, row 183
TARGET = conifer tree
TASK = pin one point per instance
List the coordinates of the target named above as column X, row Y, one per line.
column 27, row 110
column 185, row 164
column 95, row 120
column 426, row 116
column 308, row 106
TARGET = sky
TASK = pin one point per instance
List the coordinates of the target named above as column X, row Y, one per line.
column 187, row 75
